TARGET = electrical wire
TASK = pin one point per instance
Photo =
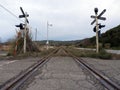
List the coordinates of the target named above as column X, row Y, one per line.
column 10, row 12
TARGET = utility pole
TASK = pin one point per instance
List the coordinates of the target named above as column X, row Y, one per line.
column 36, row 34
column 47, row 43
column 96, row 17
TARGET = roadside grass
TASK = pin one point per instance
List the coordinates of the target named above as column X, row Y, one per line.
column 88, row 53
column 115, row 48
column 61, row 53
column 77, row 52
column 40, row 54
column 46, row 52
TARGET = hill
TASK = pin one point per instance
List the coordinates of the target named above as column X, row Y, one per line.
column 59, row 43
column 109, row 39
column 112, row 37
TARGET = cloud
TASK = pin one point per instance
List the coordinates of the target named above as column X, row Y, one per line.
column 70, row 18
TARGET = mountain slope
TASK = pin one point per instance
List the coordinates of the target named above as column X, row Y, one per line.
column 110, row 37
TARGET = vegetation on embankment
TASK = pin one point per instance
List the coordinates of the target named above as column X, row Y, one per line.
column 42, row 53
column 109, row 40
column 88, row 53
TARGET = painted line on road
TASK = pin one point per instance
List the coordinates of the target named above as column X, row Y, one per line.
column 5, row 63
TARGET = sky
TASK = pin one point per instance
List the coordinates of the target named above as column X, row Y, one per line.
column 70, row 19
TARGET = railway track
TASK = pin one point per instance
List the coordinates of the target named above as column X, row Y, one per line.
column 105, row 81
column 16, row 82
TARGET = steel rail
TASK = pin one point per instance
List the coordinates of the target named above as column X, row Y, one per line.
column 20, row 79
column 104, row 80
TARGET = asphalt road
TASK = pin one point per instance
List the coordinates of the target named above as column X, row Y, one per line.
column 61, row 73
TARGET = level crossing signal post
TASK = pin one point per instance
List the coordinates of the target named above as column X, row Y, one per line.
column 23, row 26
column 97, row 26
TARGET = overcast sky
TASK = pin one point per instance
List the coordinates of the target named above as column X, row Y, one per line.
column 70, row 18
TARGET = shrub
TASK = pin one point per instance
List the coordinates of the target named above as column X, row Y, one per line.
column 104, row 55
column 88, row 53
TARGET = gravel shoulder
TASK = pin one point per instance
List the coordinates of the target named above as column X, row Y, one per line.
column 110, row 68
column 11, row 68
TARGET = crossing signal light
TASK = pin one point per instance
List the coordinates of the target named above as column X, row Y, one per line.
column 96, row 10
column 21, row 26
column 21, row 16
column 94, row 29
column 99, row 33
column 99, row 26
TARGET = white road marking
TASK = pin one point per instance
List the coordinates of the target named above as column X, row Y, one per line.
column 10, row 62
column 5, row 63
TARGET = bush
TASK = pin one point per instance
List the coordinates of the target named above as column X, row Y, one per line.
column 88, row 53
column 107, row 45
column 104, row 55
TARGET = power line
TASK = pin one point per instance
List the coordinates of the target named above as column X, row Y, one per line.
column 10, row 12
